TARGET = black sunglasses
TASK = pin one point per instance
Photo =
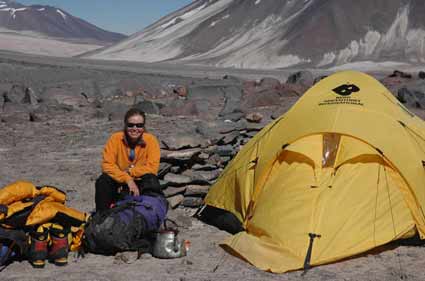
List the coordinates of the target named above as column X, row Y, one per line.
column 137, row 125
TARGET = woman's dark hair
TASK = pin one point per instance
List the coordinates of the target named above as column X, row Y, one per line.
column 134, row 111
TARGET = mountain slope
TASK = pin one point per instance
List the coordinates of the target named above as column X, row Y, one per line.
column 281, row 33
column 52, row 22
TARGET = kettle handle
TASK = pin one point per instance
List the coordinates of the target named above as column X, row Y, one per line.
column 175, row 229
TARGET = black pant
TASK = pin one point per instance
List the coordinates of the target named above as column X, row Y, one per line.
column 107, row 189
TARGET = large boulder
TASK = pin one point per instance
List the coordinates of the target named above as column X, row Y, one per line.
column 411, row 98
column 176, row 157
column 413, row 94
column 260, row 99
column 149, row 107
column 30, row 97
column 232, row 103
column 63, row 96
column 293, row 90
column 208, row 99
column 15, row 113
column 267, row 83
column 177, row 180
column 115, row 110
column 181, row 141
column 180, row 108
column 202, row 177
column 16, row 94
column 197, row 190
column 172, row 191
column 175, row 201
column 400, row 74
column 304, row 78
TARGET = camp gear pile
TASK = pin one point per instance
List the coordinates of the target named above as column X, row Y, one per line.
column 337, row 175
column 129, row 225
column 38, row 216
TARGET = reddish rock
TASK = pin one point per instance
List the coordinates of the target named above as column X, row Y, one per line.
column 268, row 83
column 175, row 200
column 188, row 108
column 264, row 98
column 130, row 94
column 401, row 74
column 293, row 90
column 254, row 117
column 181, row 91
column 394, row 83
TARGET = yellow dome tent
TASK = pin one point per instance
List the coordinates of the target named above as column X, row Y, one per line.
column 340, row 173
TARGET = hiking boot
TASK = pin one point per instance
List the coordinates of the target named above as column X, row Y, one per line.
column 38, row 247
column 59, row 247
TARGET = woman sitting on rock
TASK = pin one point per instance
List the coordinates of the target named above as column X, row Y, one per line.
column 130, row 163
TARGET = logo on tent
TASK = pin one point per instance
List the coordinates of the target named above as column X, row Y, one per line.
column 346, row 89
column 344, row 96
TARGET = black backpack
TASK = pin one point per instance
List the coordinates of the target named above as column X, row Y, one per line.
column 129, row 226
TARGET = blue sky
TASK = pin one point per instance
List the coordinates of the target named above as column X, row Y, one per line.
column 125, row 16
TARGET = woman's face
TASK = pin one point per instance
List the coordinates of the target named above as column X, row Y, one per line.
column 135, row 127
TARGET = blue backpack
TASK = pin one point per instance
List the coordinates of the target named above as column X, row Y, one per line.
column 130, row 225
column 13, row 246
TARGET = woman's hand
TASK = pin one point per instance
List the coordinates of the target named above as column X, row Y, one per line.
column 134, row 189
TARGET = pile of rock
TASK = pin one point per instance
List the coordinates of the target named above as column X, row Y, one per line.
column 188, row 168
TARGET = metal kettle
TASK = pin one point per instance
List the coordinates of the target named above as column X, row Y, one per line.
column 168, row 246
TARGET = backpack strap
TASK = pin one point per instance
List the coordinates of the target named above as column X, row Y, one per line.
column 3, row 209
column 143, row 246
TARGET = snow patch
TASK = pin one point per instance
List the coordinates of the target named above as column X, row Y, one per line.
column 12, row 11
column 370, row 42
column 416, row 45
column 257, row 47
column 184, row 16
column 222, row 18
column 370, row 66
column 160, row 44
column 328, row 58
column 61, row 13
column 347, row 54
column 398, row 29
column 374, row 43
column 254, row 48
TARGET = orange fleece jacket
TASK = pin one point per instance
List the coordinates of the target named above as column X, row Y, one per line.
column 117, row 165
